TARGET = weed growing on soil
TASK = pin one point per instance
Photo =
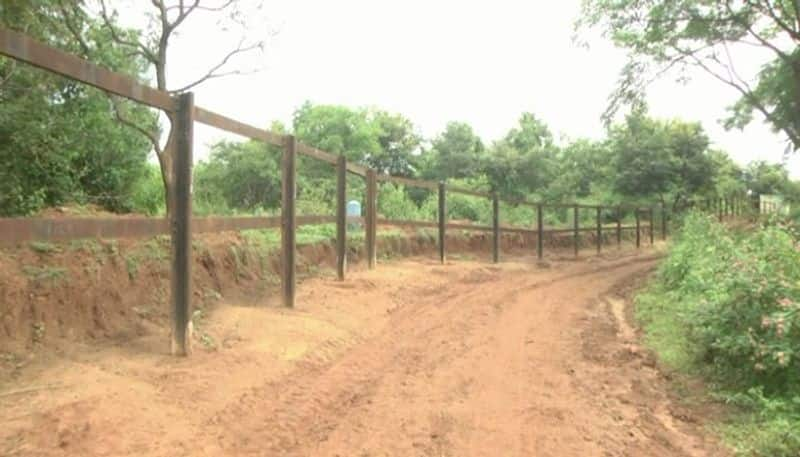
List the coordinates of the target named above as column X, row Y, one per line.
column 156, row 251
column 41, row 247
column 726, row 304
column 45, row 274
column 38, row 332
column 89, row 246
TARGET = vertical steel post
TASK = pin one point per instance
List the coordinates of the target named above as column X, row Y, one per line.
column 599, row 230
column 619, row 226
column 288, row 220
column 638, row 229
column 575, row 228
column 495, row 228
column 181, row 227
column 341, row 217
column 442, row 221
column 371, row 219
column 650, row 229
column 539, row 232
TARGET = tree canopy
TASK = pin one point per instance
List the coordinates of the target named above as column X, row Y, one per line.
column 60, row 140
column 663, row 35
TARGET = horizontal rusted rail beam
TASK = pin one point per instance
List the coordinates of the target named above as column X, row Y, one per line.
column 332, row 159
column 408, row 181
column 221, row 122
column 484, row 228
column 25, row 49
column 474, row 193
column 19, row 230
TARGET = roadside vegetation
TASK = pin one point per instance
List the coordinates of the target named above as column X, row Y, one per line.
column 725, row 305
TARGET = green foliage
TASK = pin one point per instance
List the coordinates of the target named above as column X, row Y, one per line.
column 662, row 35
column 455, row 153
column 726, row 304
column 243, row 176
column 148, row 192
column 524, row 161
column 394, row 203
column 659, row 159
column 59, row 141
column 398, row 142
column 41, row 247
column 765, row 178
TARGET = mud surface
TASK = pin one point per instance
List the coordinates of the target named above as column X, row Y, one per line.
column 411, row 359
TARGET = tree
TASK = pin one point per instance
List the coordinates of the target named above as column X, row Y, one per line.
column 243, row 176
column 338, row 130
column 455, row 153
column 678, row 34
column 662, row 159
column 398, row 144
column 59, row 141
column 728, row 178
column 523, row 161
column 582, row 168
column 766, row 178
column 151, row 45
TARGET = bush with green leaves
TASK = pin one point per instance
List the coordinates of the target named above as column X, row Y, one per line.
column 745, row 291
column 394, row 203
column 726, row 303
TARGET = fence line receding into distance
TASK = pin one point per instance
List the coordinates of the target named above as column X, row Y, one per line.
column 182, row 225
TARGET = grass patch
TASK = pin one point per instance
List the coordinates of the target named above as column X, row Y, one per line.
column 47, row 274
column 41, row 247
column 89, row 246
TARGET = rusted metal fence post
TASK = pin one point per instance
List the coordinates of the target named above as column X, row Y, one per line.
column 575, row 235
column 619, row 226
column 495, row 228
column 638, row 229
column 650, row 229
column 371, row 219
column 181, row 227
column 599, row 230
column 442, row 221
column 341, row 217
column 539, row 232
column 288, row 220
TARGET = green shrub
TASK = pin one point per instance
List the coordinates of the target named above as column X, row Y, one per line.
column 394, row 203
column 726, row 303
column 745, row 292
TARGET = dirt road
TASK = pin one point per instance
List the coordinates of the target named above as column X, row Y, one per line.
column 411, row 359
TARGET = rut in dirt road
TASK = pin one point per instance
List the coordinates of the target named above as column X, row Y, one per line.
column 412, row 359
column 492, row 364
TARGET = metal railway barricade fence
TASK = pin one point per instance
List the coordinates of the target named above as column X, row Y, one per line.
column 181, row 225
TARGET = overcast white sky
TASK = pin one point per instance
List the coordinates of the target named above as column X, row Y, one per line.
column 438, row 61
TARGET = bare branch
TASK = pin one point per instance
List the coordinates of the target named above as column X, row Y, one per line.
column 140, row 48
column 11, row 70
column 73, row 29
column 785, row 57
column 747, row 94
column 215, row 72
column 766, row 8
column 199, row 7
column 119, row 115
